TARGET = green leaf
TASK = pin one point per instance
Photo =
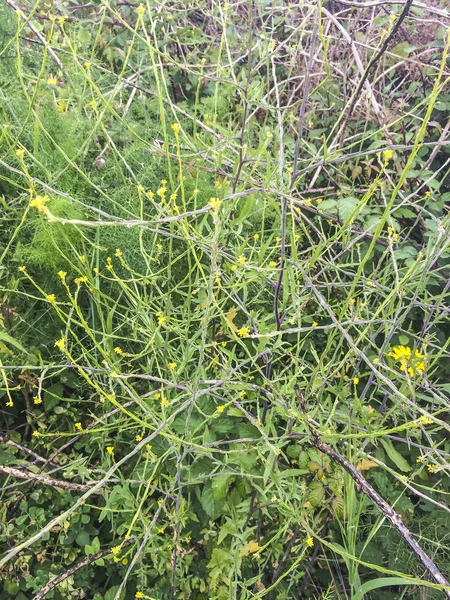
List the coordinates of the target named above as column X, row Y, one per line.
column 395, row 456
column 374, row 584
column 4, row 337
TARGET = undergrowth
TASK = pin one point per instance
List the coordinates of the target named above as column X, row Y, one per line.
column 201, row 210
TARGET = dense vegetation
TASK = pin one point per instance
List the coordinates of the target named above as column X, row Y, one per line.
column 203, row 205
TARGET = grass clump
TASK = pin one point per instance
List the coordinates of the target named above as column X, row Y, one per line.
column 201, row 210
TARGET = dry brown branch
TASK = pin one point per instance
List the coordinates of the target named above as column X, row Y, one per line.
column 386, row 509
column 71, row 570
column 36, row 478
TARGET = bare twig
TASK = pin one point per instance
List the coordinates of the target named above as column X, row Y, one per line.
column 74, row 568
column 386, row 509
column 34, row 477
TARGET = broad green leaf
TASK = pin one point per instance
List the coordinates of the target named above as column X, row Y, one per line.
column 395, row 456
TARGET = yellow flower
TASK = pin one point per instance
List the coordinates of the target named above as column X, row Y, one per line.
column 52, row 81
column 387, row 155
column 355, row 380
column 20, row 153
column 223, row 344
column 140, row 10
column 22, row 269
column 241, row 260
column 420, row 459
column 412, row 363
column 243, row 332
column 315, row 323
column 115, row 549
column 215, row 203
column 61, row 344
column 37, row 400
column 118, row 350
column 10, row 403
column 425, row 420
column 172, row 365
column 36, row 433
column 234, row 268
column 78, row 426
column 39, row 202
column 118, row 253
column 176, row 128
column 164, row 402
column 80, row 280
column 242, row 394
column 51, row 298
column 220, row 409
column 159, row 247
column 161, row 319
column 139, row 595
column 256, row 237
column 62, row 274
column 110, row 450
column 277, row 451
column 273, row 264
column 125, row 561
column 432, row 468
column 310, row 542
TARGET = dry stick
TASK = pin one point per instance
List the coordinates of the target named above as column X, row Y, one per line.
column 386, row 509
column 75, row 487
column 71, row 570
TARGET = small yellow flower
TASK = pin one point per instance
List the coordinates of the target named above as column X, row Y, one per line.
column 78, row 426
column 220, row 409
column 162, row 319
column 244, row 332
column 110, row 450
column 412, row 363
column 140, row 10
column 272, row 45
column 125, row 561
column 355, row 380
column 164, row 402
column 176, row 128
column 241, row 260
column 138, row 438
column 37, row 400
column 118, row 350
column 51, row 298
column 20, row 153
column 315, row 324
column 52, row 81
column 432, row 468
column 277, row 451
column 80, row 280
column 63, row 275
column 234, row 268
column 22, row 269
column 139, row 595
column 223, row 344
column 187, row 539
column 273, row 264
column 61, row 344
column 39, row 202
column 425, row 420
column 310, row 542
column 118, row 253
column 115, row 549
column 172, row 365
column 10, row 403
column 215, row 203
column 242, row 394
column 36, row 433
column 256, row 237
column 387, row 155
column 420, row 459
